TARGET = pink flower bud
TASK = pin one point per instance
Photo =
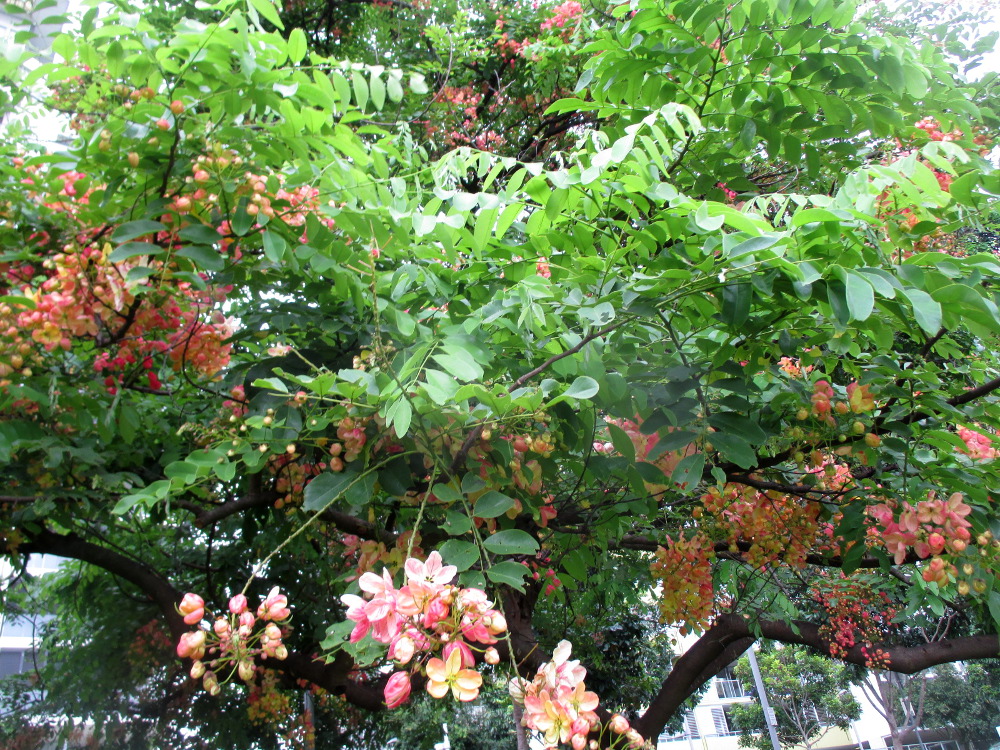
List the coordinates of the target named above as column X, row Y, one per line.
column 192, row 645
column 497, row 624
column 578, row 742
column 635, row 739
column 397, row 689
column 272, row 632
column 192, row 607
column 402, row 650
column 492, row 656
column 238, row 604
column 247, row 620
column 618, row 724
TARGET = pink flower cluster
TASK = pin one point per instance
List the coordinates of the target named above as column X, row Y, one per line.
column 979, row 447
column 564, row 14
column 931, row 527
column 425, row 616
column 558, row 705
column 233, row 640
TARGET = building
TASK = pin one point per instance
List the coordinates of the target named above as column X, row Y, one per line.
column 24, row 15
column 19, row 633
column 709, row 725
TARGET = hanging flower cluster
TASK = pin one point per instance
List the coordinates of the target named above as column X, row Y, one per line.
column 425, row 617
column 558, row 705
column 932, row 527
column 234, row 640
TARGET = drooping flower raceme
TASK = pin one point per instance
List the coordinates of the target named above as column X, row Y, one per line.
column 235, row 640
column 558, row 705
column 425, row 617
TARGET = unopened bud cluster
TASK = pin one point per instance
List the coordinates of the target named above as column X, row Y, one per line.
column 235, row 640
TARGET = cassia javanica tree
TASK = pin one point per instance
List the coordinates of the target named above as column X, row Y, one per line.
column 455, row 353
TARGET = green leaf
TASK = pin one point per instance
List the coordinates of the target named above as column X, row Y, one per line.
column 200, row 234
column 460, row 364
column 440, row 386
column 926, row 310
column 267, row 9
column 360, row 89
column 274, row 245
column 734, row 448
column 456, row 523
column 132, row 229
column 622, row 442
column 511, row 542
column 326, row 488
column 463, row 555
column 736, row 301
column 493, row 504
column 508, row 573
column 297, row 45
column 860, row 297
column 582, row 388
column 134, row 250
column 688, row 471
column 377, row 88
column 394, row 89
column 206, row 258
column 399, row 414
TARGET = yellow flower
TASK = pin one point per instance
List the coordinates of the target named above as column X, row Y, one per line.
column 442, row 675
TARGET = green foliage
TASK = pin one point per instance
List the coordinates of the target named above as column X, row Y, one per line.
column 313, row 289
column 810, row 694
column 967, row 699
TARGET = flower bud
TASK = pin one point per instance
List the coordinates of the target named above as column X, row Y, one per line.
column 246, row 670
column 197, row 670
column 492, row 656
column 618, row 724
column 402, row 649
column 238, row 604
column 192, row 607
column 397, row 689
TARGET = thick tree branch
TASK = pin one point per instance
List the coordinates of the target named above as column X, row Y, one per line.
column 732, row 634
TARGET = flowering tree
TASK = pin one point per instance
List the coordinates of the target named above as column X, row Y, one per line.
column 416, row 365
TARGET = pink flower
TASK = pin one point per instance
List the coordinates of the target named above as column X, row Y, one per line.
column 432, row 571
column 238, row 604
column 274, row 607
column 356, row 613
column 397, row 689
column 192, row 607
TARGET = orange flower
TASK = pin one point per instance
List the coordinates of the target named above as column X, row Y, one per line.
column 442, row 675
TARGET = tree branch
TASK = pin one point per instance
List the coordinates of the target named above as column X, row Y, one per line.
column 732, row 634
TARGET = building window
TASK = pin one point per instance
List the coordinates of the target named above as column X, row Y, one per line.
column 727, row 686
column 15, row 661
column 22, row 626
column 722, row 721
column 691, row 726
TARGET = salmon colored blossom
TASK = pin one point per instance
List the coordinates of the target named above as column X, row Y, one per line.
column 443, row 676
